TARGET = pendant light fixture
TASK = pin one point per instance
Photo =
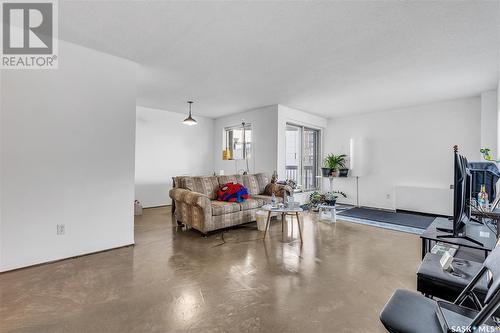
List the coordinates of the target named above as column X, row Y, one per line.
column 189, row 120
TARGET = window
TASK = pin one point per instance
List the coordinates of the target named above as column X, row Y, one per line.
column 302, row 156
column 238, row 142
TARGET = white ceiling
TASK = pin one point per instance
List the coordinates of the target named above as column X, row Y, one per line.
column 328, row 58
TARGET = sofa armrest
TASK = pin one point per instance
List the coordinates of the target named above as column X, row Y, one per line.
column 190, row 198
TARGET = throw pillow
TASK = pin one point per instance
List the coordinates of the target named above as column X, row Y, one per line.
column 232, row 192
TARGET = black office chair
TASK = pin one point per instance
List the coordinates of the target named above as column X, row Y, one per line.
column 410, row 312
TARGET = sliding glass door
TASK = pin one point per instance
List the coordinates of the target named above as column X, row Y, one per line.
column 293, row 144
column 310, row 155
column 302, row 156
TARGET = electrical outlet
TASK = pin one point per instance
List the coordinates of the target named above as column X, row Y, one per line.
column 387, row 196
column 61, row 229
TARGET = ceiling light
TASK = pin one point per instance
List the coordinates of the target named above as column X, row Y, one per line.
column 189, row 120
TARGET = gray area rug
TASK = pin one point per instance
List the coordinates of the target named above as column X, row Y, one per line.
column 402, row 219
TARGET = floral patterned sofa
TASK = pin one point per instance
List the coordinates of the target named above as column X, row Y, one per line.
column 195, row 200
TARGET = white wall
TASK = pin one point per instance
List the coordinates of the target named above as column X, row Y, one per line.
column 489, row 122
column 498, row 117
column 264, row 122
column 269, row 132
column 166, row 148
column 1, row 164
column 67, row 153
column 408, row 147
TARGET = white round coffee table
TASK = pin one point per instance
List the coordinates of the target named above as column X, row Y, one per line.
column 284, row 211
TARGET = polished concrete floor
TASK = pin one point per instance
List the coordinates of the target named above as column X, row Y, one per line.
column 173, row 280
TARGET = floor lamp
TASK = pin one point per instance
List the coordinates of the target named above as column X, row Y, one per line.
column 357, row 191
column 357, row 161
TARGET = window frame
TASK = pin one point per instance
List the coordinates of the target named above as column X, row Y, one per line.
column 301, row 176
column 247, row 151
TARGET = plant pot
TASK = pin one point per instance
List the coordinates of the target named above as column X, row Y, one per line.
column 330, row 202
column 326, row 172
column 333, row 173
column 343, row 172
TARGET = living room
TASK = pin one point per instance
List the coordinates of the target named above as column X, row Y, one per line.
column 168, row 169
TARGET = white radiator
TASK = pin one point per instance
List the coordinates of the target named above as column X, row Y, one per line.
column 431, row 200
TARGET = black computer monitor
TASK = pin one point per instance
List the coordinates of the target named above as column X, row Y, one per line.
column 460, row 200
column 462, row 196
column 469, row 190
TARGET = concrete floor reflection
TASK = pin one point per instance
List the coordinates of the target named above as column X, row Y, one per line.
column 174, row 280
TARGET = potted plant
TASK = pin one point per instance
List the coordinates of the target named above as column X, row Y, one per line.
column 330, row 198
column 335, row 162
column 343, row 172
column 314, row 200
column 325, row 170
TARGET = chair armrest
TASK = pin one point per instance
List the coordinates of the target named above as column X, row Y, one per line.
column 190, row 198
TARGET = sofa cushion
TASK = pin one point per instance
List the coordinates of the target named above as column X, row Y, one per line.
column 205, row 185
column 250, row 182
column 230, row 179
column 180, row 181
column 224, row 207
column 251, row 204
column 262, row 180
column 265, row 198
column 256, row 184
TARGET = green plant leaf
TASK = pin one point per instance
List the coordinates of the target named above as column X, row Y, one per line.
column 335, row 162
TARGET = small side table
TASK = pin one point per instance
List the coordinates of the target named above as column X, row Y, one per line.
column 284, row 211
column 327, row 213
column 492, row 215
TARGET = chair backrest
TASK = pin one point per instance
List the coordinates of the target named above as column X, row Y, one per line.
column 492, row 263
column 491, row 266
column 495, row 203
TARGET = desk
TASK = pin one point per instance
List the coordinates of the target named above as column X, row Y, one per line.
column 476, row 231
column 493, row 215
